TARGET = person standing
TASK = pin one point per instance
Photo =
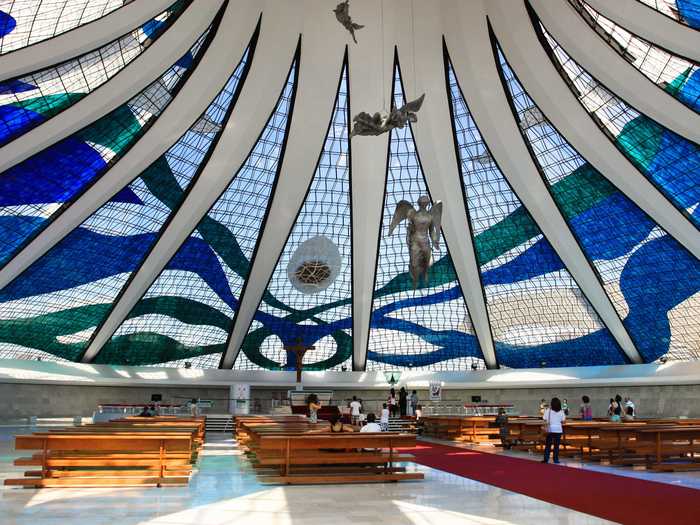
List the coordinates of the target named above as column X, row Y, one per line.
column 403, row 401
column 384, row 418
column 565, row 407
column 554, row 418
column 586, row 411
column 314, row 405
column 413, row 402
column 543, row 407
column 392, row 402
column 355, row 409
column 629, row 404
column 194, row 409
column 504, row 433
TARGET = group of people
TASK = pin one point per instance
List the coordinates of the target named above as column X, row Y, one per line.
column 405, row 404
column 619, row 410
column 554, row 415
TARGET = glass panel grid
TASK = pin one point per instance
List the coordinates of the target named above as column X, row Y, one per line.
column 539, row 316
column 669, row 161
column 26, row 22
column 28, row 101
column 188, row 311
column 612, row 232
column 322, row 319
column 33, row 191
column 677, row 75
column 67, row 293
column 427, row 328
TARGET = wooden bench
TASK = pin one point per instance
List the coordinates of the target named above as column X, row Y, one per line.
column 105, row 460
column 335, row 458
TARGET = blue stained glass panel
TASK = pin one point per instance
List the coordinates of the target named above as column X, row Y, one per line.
column 428, row 327
column 186, row 314
column 612, row 231
column 69, row 291
column 320, row 314
column 34, row 191
column 538, row 314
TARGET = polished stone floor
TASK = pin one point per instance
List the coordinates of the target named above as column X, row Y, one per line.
column 224, row 491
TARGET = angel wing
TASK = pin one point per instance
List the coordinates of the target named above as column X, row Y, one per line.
column 414, row 105
column 436, row 212
column 403, row 209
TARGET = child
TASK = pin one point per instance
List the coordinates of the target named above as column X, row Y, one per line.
column 502, row 422
column 384, row 419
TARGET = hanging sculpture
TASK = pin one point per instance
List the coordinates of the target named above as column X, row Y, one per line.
column 366, row 124
column 342, row 13
column 315, row 265
column 423, row 229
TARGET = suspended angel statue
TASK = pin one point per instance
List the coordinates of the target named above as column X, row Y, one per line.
column 366, row 124
column 342, row 13
column 423, row 228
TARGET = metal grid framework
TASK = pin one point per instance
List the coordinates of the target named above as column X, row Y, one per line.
column 620, row 240
column 684, row 11
column 26, row 22
column 669, row 161
column 63, row 297
column 322, row 319
column 427, row 328
column 33, row 192
column 27, row 101
column 539, row 316
column 678, row 76
column 188, row 311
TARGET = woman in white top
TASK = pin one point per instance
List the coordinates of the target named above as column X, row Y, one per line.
column 554, row 418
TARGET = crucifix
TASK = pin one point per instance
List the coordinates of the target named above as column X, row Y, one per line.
column 299, row 350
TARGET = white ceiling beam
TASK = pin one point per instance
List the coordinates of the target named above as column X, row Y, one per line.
column 279, row 33
column 435, row 143
column 371, row 77
column 546, row 87
column 204, row 84
column 472, row 58
column 147, row 67
column 80, row 40
column 322, row 52
column 651, row 25
column 605, row 64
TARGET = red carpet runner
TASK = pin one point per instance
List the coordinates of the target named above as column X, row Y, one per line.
column 618, row 498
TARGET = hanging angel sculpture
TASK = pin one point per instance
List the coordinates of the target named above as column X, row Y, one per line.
column 423, row 229
column 342, row 13
column 366, row 124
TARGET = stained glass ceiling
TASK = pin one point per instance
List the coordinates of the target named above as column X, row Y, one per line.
column 61, row 295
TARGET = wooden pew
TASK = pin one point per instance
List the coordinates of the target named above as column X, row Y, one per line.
column 105, row 460
column 335, row 458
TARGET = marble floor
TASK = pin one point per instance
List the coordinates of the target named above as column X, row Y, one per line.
column 224, row 490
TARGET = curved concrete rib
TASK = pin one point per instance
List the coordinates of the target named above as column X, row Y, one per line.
column 322, row 51
column 554, row 97
column 371, row 76
column 206, row 80
column 279, row 33
column 474, row 65
column 605, row 64
column 80, row 40
column 651, row 25
column 151, row 64
column 435, row 144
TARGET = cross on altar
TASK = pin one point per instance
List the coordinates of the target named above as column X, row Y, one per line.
column 299, row 350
